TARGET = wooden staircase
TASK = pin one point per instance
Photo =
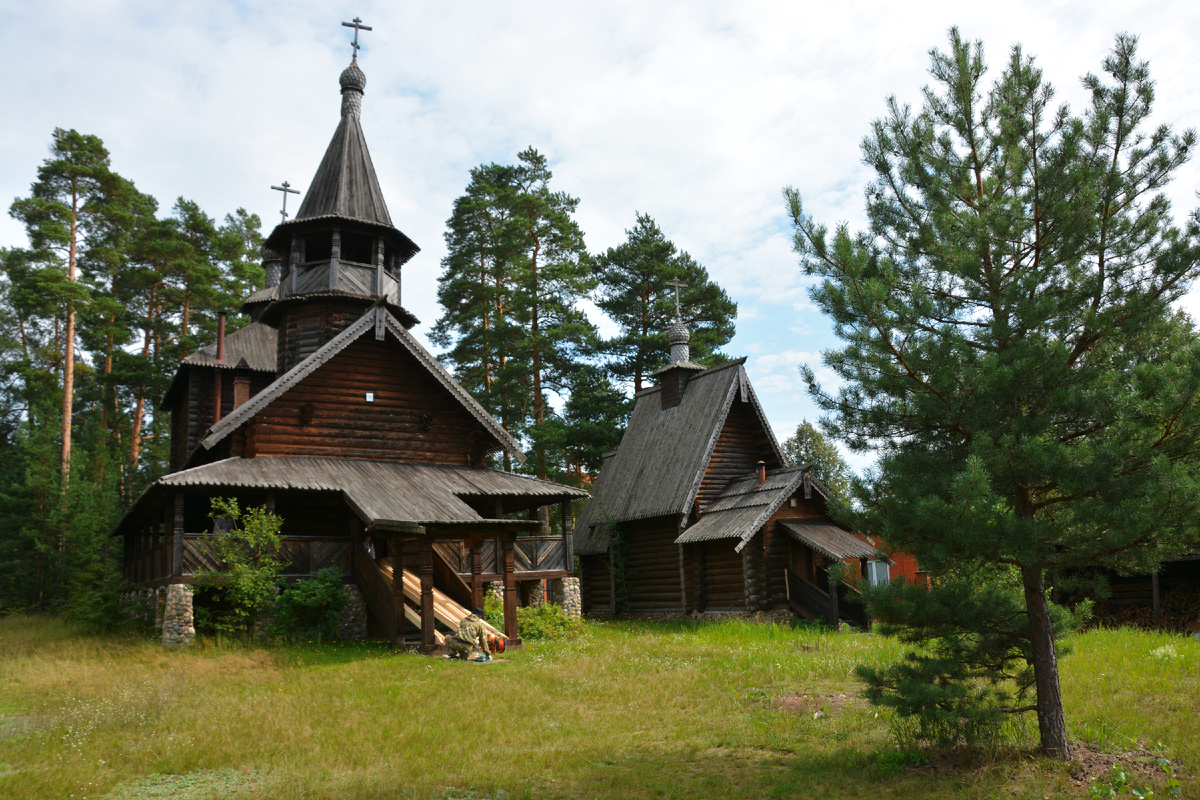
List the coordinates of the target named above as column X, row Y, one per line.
column 376, row 580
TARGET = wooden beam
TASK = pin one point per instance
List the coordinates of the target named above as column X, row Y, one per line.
column 834, row 621
column 476, row 575
column 177, row 529
column 395, row 547
column 510, row 590
column 426, row 572
column 568, row 528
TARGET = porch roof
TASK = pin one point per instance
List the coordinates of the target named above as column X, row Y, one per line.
column 828, row 539
column 381, row 493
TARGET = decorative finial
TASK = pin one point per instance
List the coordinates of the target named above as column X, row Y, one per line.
column 287, row 189
column 678, row 285
column 358, row 26
column 678, row 336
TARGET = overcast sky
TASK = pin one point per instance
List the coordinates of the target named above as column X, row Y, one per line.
column 697, row 113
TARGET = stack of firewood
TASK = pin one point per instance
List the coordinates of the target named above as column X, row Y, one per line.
column 1179, row 608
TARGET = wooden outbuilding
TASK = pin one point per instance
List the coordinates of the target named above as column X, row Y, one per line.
column 697, row 510
column 327, row 410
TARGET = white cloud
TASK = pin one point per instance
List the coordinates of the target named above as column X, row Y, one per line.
column 697, row 112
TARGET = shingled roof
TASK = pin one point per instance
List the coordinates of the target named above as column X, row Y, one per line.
column 251, row 347
column 744, row 506
column 829, row 540
column 345, row 186
column 384, row 494
column 254, row 344
column 660, row 463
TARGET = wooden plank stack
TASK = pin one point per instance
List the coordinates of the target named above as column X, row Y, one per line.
column 445, row 610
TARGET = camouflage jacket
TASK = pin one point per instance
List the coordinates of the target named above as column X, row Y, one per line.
column 471, row 631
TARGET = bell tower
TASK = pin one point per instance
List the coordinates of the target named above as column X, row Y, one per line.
column 341, row 254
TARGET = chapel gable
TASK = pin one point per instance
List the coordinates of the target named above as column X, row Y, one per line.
column 373, row 400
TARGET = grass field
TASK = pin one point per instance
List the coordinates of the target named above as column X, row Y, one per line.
column 630, row 710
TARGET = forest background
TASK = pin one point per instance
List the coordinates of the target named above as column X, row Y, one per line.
column 110, row 295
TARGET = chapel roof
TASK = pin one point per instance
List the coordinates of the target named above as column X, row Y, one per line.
column 659, row 466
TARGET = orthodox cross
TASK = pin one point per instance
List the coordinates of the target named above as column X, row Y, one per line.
column 678, row 285
column 287, row 189
column 358, row 26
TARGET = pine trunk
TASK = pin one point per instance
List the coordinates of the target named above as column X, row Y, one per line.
column 1052, row 724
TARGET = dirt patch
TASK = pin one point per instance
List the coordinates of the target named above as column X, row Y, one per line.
column 215, row 784
column 1091, row 765
column 1088, row 766
column 812, row 703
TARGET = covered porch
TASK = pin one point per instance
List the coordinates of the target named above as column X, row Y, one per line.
column 812, row 587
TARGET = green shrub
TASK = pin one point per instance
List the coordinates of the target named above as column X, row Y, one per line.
column 247, row 543
column 493, row 610
column 547, row 622
column 311, row 607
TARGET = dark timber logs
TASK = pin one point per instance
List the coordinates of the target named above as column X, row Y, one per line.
column 410, row 417
column 740, row 446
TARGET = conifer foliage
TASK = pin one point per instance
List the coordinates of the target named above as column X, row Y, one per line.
column 633, row 291
column 1011, row 354
column 512, row 277
column 95, row 314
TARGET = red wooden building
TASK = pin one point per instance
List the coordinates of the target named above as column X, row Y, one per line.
column 326, row 409
column 697, row 511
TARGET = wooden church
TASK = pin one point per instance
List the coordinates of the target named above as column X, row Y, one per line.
column 327, row 410
column 697, row 510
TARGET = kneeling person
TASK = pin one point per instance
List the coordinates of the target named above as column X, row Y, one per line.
column 470, row 641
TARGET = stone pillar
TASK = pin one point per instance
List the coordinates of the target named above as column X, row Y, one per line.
column 160, row 605
column 536, row 594
column 568, row 596
column 353, row 621
column 496, row 588
column 178, row 629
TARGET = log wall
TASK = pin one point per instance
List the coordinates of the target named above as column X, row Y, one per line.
column 411, row 418
column 595, row 585
column 724, row 578
column 774, row 545
column 304, row 327
column 192, row 415
column 741, row 445
column 651, row 580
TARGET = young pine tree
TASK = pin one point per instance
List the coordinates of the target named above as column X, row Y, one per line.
column 1011, row 352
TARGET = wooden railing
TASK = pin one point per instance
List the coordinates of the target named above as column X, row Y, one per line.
column 806, row 598
column 852, row 607
column 540, row 554
column 810, row 600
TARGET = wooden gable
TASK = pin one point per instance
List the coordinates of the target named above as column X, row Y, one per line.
column 741, row 444
column 410, row 416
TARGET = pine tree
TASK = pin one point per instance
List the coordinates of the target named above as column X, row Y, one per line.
column 68, row 193
column 1010, row 348
column 513, row 274
column 808, row 446
column 633, row 292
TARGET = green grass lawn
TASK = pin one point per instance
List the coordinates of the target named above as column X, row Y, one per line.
column 630, row 710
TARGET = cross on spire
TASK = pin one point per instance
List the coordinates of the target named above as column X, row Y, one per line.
column 678, row 285
column 358, row 26
column 287, row 189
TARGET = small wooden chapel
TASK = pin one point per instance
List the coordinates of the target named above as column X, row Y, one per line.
column 328, row 411
column 697, row 510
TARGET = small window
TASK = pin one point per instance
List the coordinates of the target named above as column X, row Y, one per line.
column 792, row 502
column 877, row 573
column 370, row 397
